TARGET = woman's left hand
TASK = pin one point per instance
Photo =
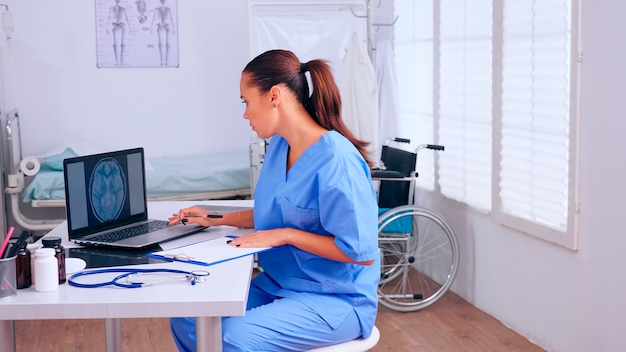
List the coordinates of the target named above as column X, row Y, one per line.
column 262, row 238
column 322, row 245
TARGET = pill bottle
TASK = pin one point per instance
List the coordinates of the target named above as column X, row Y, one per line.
column 22, row 268
column 32, row 248
column 59, row 253
column 46, row 270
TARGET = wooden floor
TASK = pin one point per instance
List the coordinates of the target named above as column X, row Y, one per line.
column 449, row 325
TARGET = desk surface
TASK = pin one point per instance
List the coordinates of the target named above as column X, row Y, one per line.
column 223, row 294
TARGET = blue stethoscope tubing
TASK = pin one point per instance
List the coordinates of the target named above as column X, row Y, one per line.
column 193, row 276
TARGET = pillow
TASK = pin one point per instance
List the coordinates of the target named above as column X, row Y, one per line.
column 55, row 162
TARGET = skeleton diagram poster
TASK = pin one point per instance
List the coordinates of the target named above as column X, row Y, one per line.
column 137, row 33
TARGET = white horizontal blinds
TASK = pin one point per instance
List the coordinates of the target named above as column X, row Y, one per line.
column 465, row 108
column 535, row 111
column 413, row 42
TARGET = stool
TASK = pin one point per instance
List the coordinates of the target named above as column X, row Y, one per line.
column 358, row 345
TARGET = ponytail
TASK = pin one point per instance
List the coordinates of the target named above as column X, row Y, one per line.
column 324, row 103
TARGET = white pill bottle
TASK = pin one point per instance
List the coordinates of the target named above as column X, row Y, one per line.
column 32, row 248
column 46, row 270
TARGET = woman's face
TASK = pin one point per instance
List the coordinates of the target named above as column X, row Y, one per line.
column 259, row 111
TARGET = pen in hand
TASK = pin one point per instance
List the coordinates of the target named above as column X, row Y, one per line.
column 210, row 216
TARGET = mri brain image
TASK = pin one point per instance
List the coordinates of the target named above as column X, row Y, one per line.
column 107, row 189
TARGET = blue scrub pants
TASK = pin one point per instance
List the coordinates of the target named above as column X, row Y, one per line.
column 271, row 324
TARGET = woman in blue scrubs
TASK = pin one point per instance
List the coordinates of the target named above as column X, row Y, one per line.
column 314, row 204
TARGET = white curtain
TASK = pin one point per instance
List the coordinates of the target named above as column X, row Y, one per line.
column 359, row 89
column 384, row 64
column 328, row 31
column 311, row 31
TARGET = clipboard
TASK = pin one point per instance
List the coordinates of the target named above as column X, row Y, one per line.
column 207, row 253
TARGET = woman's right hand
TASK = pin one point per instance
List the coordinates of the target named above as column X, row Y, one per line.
column 192, row 215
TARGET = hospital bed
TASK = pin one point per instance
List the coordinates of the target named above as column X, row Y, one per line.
column 224, row 175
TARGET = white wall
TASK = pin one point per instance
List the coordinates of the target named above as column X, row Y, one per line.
column 49, row 73
column 568, row 301
column 563, row 300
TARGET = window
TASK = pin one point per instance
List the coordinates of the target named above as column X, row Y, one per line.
column 464, row 105
column 501, row 97
column 413, row 47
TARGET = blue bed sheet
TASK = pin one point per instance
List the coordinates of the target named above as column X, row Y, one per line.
column 165, row 177
column 197, row 174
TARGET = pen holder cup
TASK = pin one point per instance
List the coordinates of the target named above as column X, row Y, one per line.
column 8, row 278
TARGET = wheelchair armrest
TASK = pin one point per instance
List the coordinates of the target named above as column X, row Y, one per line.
column 386, row 174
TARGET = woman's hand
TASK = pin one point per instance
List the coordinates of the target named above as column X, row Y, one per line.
column 193, row 215
column 321, row 245
column 262, row 238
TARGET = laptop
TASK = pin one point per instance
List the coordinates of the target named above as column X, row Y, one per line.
column 106, row 202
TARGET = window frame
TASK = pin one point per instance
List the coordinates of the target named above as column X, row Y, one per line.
column 569, row 237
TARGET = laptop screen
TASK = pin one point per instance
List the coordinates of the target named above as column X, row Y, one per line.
column 104, row 191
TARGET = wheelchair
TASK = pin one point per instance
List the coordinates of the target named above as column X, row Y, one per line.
column 419, row 251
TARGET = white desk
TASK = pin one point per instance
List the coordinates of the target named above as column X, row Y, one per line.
column 224, row 294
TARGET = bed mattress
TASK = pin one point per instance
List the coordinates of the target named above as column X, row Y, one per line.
column 167, row 177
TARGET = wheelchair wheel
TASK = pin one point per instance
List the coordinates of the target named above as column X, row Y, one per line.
column 419, row 258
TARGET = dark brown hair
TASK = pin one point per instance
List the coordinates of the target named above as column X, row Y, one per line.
column 324, row 105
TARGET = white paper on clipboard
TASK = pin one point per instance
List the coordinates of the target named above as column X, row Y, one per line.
column 207, row 253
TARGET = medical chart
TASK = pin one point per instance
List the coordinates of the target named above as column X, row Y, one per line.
column 207, row 253
column 137, row 33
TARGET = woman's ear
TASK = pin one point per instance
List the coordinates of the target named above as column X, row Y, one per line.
column 275, row 93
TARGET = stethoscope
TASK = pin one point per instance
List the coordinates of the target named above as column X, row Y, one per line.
column 135, row 278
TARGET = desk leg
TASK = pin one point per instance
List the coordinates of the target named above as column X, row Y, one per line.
column 113, row 335
column 209, row 334
column 7, row 335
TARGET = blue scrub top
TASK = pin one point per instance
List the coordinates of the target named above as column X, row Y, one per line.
column 328, row 191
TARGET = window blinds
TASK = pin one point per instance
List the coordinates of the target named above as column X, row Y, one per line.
column 414, row 59
column 503, row 90
column 464, row 106
column 534, row 155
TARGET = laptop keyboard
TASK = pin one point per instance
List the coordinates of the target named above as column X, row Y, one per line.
column 142, row 229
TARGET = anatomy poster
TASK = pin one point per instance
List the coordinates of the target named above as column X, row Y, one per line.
column 137, row 33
